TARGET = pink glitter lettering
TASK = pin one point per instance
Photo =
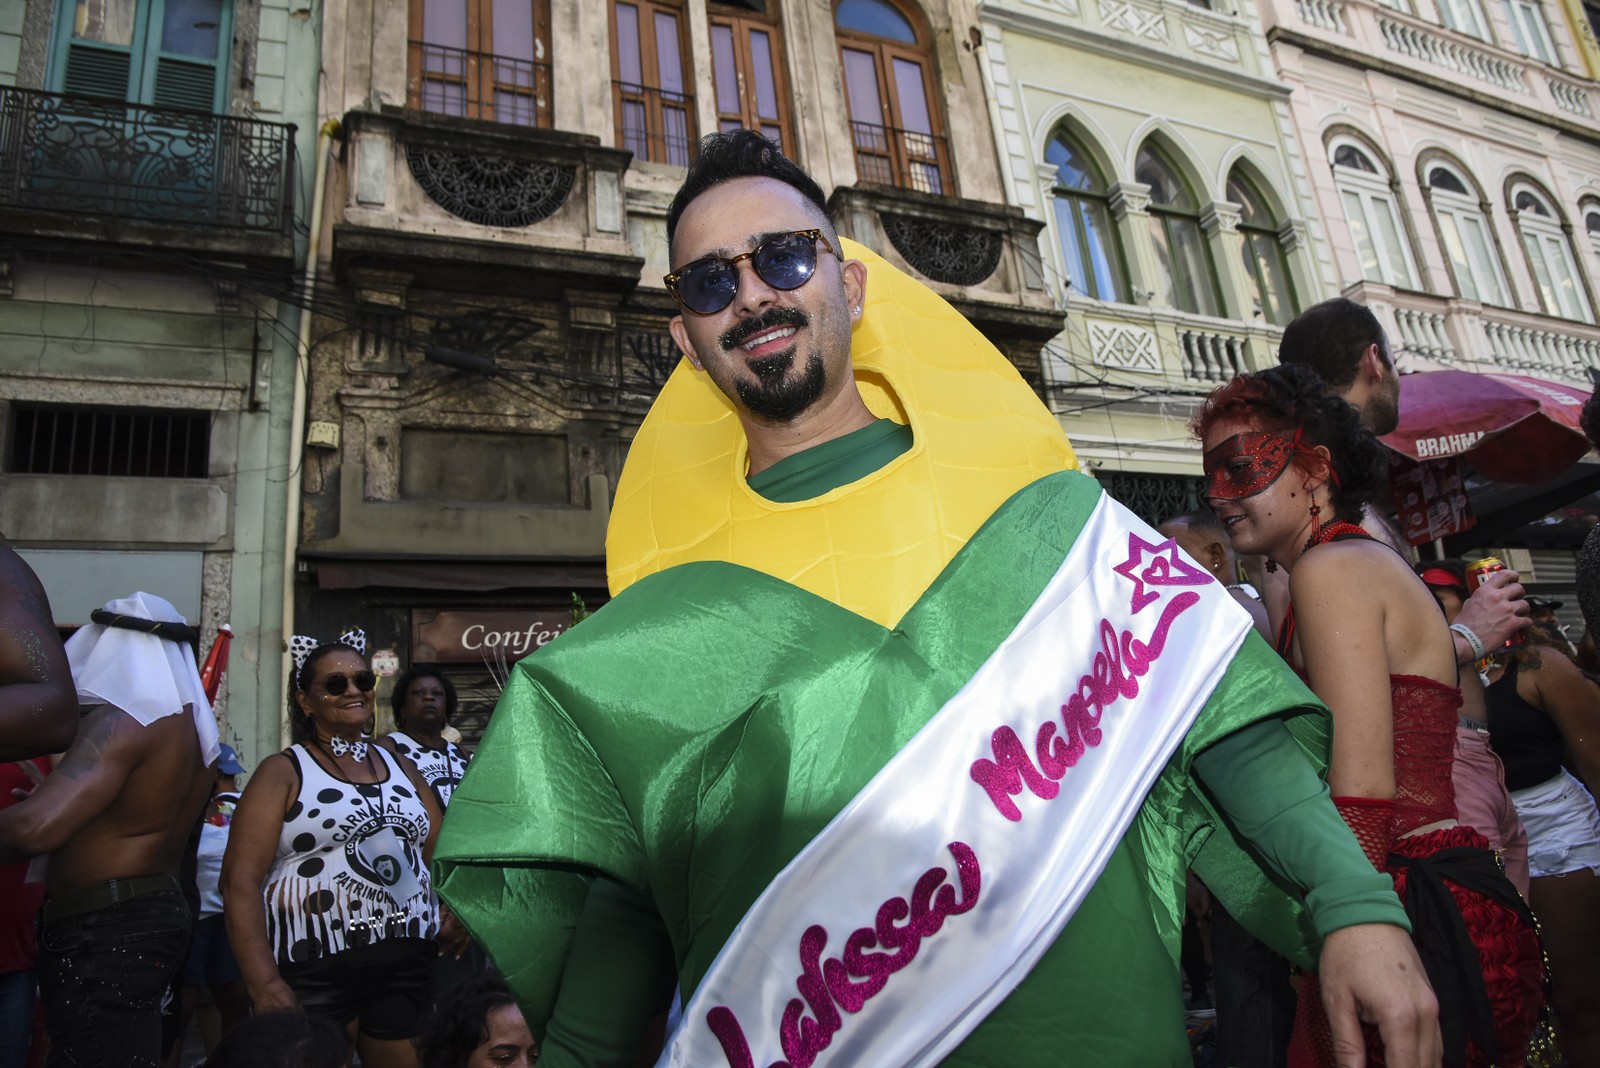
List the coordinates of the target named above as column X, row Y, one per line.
column 1119, row 665
column 853, row 978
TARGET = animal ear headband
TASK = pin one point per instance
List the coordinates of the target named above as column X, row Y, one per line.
column 301, row 645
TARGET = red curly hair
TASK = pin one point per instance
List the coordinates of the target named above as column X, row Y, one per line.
column 1292, row 398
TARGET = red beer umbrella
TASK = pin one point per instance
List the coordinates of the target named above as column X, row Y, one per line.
column 1512, row 428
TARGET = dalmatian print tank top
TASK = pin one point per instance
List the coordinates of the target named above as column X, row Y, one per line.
column 349, row 870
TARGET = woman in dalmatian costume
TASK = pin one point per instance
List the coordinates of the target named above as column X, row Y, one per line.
column 329, row 904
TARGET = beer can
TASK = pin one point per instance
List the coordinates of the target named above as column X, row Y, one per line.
column 1478, row 569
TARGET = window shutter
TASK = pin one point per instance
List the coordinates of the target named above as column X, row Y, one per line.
column 185, row 84
column 96, row 72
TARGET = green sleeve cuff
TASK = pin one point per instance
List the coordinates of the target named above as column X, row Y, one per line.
column 1263, row 783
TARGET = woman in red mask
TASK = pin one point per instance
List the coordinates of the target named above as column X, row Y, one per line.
column 1289, row 470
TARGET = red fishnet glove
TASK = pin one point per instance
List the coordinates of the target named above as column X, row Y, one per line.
column 1372, row 820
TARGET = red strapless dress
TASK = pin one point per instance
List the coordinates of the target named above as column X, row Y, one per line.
column 1459, row 896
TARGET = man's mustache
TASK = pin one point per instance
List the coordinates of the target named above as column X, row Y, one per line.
column 774, row 317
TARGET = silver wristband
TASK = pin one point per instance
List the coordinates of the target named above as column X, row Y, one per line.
column 1473, row 642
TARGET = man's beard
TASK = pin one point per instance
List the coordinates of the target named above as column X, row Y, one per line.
column 1382, row 413
column 775, row 396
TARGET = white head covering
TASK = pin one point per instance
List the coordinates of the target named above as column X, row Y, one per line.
column 145, row 676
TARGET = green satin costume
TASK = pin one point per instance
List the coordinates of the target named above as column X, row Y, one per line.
column 646, row 745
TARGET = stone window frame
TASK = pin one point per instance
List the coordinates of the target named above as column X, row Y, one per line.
column 1167, row 217
column 885, row 51
column 1384, row 183
column 649, row 93
column 741, row 20
column 1243, row 172
column 1118, row 259
column 1553, row 229
column 1546, row 45
column 1476, row 201
column 481, row 77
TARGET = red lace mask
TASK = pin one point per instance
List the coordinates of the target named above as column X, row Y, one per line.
column 1246, row 464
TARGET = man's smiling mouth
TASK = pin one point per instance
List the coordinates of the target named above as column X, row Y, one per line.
column 771, row 335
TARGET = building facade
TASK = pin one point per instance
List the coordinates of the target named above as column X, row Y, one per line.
column 1156, row 145
column 491, row 321
column 1204, row 171
column 152, row 207
column 1453, row 148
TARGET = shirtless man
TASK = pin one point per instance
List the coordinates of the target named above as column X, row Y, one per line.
column 114, row 820
column 38, row 711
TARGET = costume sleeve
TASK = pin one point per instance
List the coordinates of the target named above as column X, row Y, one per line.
column 618, row 976
column 1265, row 786
column 534, row 819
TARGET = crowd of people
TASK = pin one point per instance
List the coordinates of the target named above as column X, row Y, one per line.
column 141, row 880
column 1372, row 775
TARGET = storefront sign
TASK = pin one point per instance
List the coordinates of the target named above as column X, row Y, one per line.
column 477, row 636
column 1430, row 498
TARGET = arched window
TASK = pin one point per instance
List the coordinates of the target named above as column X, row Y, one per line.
column 650, row 72
column 1369, row 212
column 747, row 69
column 1464, row 231
column 1262, row 251
column 1187, row 280
column 888, row 83
column 1089, row 243
column 1591, row 224
column 1555, row 274
column 481, row 59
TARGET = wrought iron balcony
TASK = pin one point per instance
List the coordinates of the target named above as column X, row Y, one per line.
column 479, row 85
column 905, row 159
column 657, row 124
column 77, row 155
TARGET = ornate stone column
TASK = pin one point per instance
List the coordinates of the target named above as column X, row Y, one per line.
column 1130, row 207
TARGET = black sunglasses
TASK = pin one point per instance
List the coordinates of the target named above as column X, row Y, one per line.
column 338, row 684
column 783, row 261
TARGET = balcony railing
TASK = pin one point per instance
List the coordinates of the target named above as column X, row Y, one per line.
column 1423, row 332
column 1212, row 355
column 1323, row 14
column 1548, row 353
column 1432, row 46
column 1570, row 96
column 906, row 159
column 655, row 124
column 479, row 85
column 1433, row 330
column 87, row 156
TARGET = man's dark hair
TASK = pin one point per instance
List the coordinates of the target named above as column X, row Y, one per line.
column 1330, row 338
column 1589, row 418
column 397, row 699
column 460, row 1024
column 743, row 154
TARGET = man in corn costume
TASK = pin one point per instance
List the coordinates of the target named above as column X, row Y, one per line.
column 900, row 728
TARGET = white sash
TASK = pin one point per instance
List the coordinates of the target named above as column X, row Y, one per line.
column 924, row 903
